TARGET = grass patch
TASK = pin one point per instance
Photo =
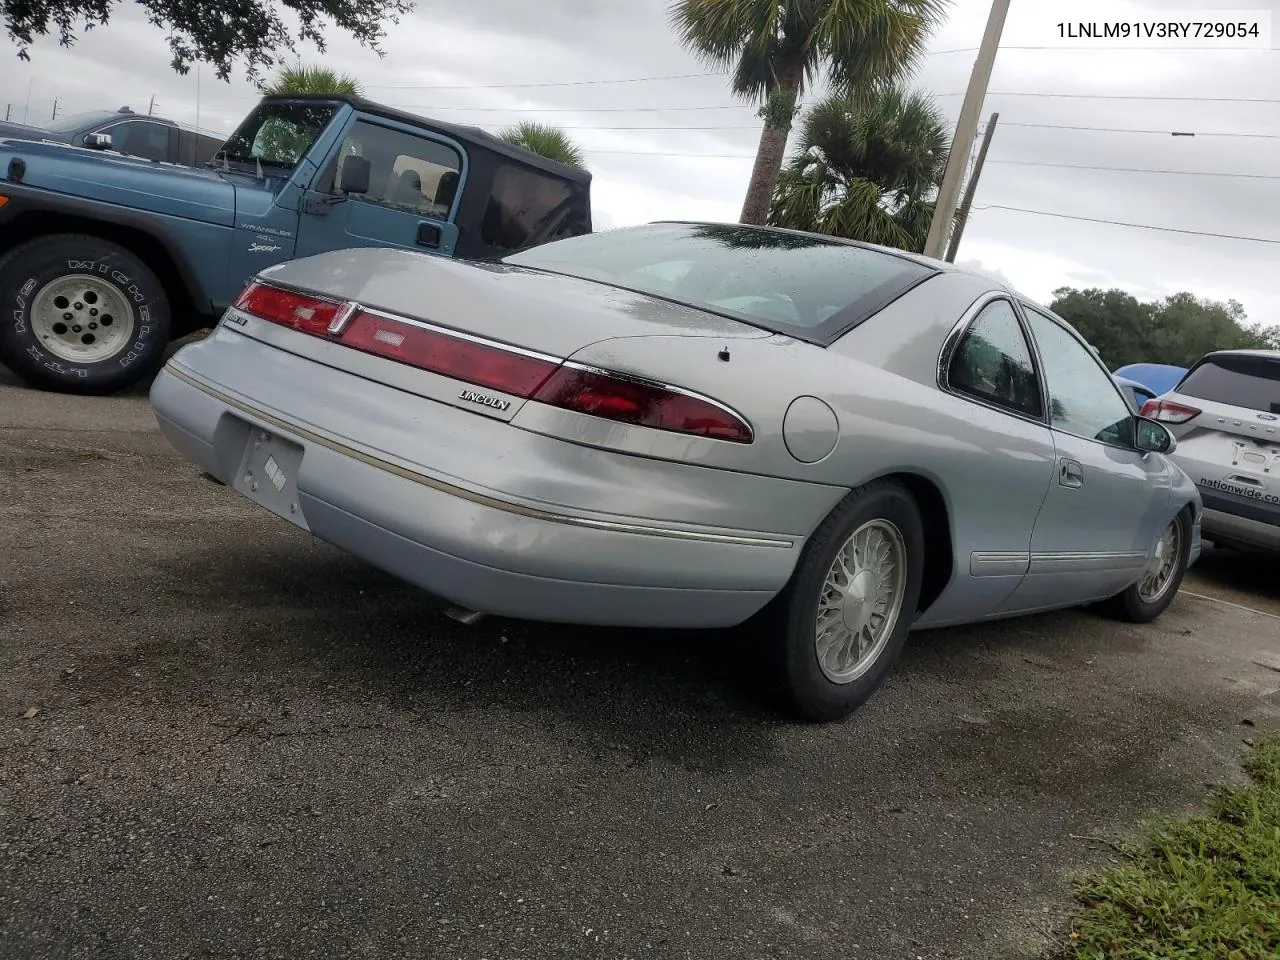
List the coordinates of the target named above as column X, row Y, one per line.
column 1207, row 886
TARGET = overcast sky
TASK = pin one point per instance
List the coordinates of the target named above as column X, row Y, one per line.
column 681, row 148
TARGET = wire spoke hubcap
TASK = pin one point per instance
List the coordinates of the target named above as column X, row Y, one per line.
column 81, row 318
column 860, row 601
column 1158, row 576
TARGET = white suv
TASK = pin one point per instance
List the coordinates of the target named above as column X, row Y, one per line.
column 1225, row 414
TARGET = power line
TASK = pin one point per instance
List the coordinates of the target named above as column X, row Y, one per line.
column 735, row 106
column 1020, row 163
column 659, row 153
column 753, row 126
column 1183, row 173
column 1164, row 133
column 434, row 107
column 1120, row 96
column 695, row 76
column 553, row 83
column 1124, row 223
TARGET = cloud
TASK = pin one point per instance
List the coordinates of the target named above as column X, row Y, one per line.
column 475, row 62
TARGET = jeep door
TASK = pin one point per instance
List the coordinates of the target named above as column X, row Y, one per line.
column 415, row 181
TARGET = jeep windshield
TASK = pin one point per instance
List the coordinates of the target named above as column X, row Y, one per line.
column 276, row 134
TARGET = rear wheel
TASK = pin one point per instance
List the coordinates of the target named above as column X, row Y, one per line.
column 1145, row 600
column 832, row 636
column 80, row 314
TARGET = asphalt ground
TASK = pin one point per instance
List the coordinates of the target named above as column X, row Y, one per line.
column 248, row 744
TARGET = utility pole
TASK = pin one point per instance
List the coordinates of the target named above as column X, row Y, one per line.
column 966, row 127
column 27, row 109
column 971, row 188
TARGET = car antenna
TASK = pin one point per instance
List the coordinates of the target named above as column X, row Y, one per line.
column 724, row 354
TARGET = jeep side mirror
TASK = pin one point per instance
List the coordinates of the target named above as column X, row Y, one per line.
column 355, row 175
column 98, row 141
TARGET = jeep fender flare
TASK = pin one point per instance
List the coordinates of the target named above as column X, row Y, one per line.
column 29, row 205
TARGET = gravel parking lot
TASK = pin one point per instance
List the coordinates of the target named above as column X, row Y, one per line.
column 249, row 744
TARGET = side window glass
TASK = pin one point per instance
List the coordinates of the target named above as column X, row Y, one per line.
column 993, row 362
column 407, row 172
column 527, row 207
column 140, row 139
column 1083, row 399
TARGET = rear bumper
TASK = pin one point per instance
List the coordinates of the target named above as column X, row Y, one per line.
column 490, row 552
column 1233, row 529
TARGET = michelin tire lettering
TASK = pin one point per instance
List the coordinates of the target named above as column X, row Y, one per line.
column 20, row 315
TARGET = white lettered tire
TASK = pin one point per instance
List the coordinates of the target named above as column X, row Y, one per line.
column 81, row 314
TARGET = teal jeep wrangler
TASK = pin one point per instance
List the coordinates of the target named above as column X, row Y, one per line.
column 106, row 258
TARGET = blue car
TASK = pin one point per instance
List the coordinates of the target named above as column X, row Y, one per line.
column 1154, row 378
column 1136, row 393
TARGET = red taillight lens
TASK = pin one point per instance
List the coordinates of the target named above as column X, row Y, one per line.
column 1166, row 411
column 648, row 405
column 477, row 363
column 287, row 308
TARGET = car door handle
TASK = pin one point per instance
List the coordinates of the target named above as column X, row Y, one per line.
column 1071, row 474
column 428, row 235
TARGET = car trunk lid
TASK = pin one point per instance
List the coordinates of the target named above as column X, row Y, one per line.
column 531, row 309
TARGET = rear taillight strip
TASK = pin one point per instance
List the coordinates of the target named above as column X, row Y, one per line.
column 657, row 385
column 460, row 335
column 580, row 388
column 1167, row 411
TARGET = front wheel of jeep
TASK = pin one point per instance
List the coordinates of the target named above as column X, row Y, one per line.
column 80, row 314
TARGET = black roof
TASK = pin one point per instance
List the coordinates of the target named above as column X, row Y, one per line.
column 457, row 130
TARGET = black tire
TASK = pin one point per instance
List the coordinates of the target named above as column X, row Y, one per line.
column 1129, row 605
column 26, row 270
column 787, row 627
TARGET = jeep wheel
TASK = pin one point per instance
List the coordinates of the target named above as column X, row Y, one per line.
column 81, row 315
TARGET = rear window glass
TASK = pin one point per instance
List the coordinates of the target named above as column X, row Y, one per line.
column 812, row 288
column 527, row 208
column 1242, row 381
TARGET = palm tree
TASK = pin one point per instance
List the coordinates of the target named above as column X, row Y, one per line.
column 866, row 170
column 775, row 46
column 546, row 141
column 301, row 79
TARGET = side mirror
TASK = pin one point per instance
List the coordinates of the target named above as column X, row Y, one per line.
column 356, row 172
column 98, row 141
column 1153, row 437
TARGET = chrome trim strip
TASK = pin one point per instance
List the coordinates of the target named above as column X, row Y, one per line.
column 280, row 284
column 1078, row 557
column 461, row 492
column 998, row 564
column 1043, row 564
column 344, row 316
column 660, row 385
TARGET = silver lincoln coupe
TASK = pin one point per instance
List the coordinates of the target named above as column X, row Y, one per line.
column 694, row 425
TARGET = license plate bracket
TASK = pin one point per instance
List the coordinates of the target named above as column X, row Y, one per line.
column 268, row 475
